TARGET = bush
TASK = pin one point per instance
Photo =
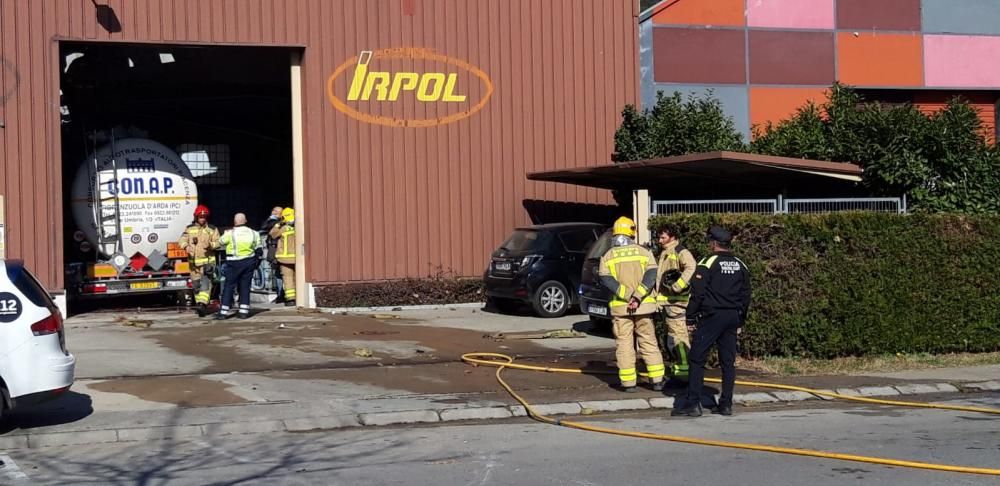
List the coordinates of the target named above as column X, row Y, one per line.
column 673, row 126
column 941, row 161
column 411, row 291
column 853, row 284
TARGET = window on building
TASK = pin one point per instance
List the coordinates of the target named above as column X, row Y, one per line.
column 209, row 164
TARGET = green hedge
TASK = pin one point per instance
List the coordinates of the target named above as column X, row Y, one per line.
column 851, row 284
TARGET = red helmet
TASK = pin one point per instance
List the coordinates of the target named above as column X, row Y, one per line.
column 201, row 210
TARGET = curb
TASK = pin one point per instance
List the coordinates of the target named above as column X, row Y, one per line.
column 401, row 308
column 312, row 424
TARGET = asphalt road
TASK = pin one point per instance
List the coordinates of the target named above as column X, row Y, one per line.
column 526, row 452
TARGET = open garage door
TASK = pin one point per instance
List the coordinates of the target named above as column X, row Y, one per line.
column 182, row 126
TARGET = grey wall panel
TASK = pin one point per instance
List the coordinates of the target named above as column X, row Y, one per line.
column 961, row 16
column 735, row 101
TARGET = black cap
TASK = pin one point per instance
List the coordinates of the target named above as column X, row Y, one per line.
column 718, row 234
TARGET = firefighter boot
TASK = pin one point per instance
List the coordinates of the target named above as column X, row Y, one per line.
column 202, row 310
column 679, row 357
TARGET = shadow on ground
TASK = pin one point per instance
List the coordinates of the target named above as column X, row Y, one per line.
column 215, row 460
column 597, row 328
column 69, row 408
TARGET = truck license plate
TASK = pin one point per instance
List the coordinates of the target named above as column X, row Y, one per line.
column 144, row 285
column 595, row 309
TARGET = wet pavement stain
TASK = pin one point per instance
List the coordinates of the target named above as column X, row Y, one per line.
column 324, row 341
column 182, row 391
column 451, row 378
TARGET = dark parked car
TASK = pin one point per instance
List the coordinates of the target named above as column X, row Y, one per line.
column 540, row 265
column 594, row 297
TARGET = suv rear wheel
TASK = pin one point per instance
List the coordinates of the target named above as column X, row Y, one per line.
column 551, row 299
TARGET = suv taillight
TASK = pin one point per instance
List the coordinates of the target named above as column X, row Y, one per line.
column 49, row 325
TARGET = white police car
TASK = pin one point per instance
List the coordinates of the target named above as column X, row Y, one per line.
column 34, row 363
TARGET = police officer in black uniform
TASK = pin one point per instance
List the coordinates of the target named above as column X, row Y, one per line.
column 720, row 300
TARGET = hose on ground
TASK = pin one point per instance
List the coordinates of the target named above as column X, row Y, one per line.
column 503, row 361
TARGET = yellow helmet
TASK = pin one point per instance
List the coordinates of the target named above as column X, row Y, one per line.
column 288, row 214
column 624, row 226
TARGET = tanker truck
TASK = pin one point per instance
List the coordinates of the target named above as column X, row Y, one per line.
column 131, row 200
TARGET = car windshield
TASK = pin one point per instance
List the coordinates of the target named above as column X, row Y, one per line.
column 525, row 240
column 26, row 283
column 600, row 247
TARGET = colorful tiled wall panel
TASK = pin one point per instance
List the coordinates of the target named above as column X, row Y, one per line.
column 765, row 58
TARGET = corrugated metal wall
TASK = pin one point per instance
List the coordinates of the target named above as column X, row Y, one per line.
column 381, row 202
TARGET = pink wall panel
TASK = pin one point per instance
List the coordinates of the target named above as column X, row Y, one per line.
column 961, row 61
column 793, row 14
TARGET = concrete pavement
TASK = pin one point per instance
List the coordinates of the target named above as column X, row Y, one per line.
column 165, row 374
column 519, row 452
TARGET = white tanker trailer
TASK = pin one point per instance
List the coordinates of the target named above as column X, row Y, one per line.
column 131, row 202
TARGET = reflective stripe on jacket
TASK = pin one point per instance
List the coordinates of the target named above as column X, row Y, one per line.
column 627, row 265
column 203, row 252
column 240, row 242
column 285, row 236
column 675, row 257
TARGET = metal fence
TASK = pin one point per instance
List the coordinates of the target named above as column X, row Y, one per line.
column 265, row 275
column 781, row 205
column 764, row 206
column 875, row 204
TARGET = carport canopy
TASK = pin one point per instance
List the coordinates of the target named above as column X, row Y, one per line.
column 732, row 169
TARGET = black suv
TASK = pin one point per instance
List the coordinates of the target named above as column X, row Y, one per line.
column 594, row 297
column 540, row 265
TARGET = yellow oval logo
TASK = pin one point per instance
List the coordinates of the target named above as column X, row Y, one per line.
column 368, row 84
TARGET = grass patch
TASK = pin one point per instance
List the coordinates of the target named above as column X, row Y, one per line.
column 853, row 365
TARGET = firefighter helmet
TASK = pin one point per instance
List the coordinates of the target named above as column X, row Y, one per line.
column 288, row 214
column 200, row 211
column 624, row 227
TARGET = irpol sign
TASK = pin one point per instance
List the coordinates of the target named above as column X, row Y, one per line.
column 369, row 84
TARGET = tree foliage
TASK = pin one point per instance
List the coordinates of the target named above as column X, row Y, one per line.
column 942, row 160
column 675, row 126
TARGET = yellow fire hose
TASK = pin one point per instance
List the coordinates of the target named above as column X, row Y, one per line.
column 502, row 361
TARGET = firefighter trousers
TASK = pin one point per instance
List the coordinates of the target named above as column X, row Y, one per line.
column 288, row 281
column 678, row 339
column 628, row 331
column 201, row 281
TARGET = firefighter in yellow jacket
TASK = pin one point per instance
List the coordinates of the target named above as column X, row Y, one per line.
column 284, row 233
column 673, row 289
column 201, row 240
column 629, row 272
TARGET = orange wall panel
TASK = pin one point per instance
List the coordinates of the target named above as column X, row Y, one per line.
column 984, row 103
column 702, row 12
column 880, row 59
column 776, row 104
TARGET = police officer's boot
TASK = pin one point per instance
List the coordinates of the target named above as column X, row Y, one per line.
column 693, row 410
column 723, row 409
